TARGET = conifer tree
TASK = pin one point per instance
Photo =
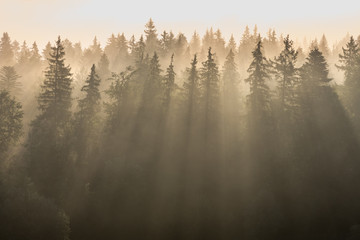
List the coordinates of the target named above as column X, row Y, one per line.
column 6, row 52
column 323, row 46
column 231, row 80
column 46, row 52
column 24, row 57
column 231, row 102
column 48, row 142
column 8, row 80
column 191, row 91
column 89, row 106
column 11, row 115
column 231, row 45
column 315, row 70
column 286, row 74
column 103, row 67
column 55, row 98
column 210, row 95
column 259, row 98
column 35, row 58
column 151, row 37
column 87, row 118
column 152, row 87
column 350, row 63
column 16, row 50
column 195, row 43
column 169, row 85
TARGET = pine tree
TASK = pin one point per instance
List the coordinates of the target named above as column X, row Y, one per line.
column 8, row 80
column 259, row 98
column 286, row 74
column 7, row 57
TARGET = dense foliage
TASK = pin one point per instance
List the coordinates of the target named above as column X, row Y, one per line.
column 255, row 141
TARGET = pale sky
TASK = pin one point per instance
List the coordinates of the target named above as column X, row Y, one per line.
column 81, row 20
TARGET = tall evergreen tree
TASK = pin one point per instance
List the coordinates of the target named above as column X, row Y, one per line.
column 11, row 115
column 210, row 95
column 152, row 44
column 324, row 47
column 87, row 118
column 8, row 80
column 350, row 65
column 169, row 85
column 231, row 45
column 48, row 143
column 259, row 97
column 6, row 52
column 315, row 70
column 191, row 94
column 287, row 76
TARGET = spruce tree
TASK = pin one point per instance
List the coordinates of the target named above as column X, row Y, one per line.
column 89, row 105
column 8, row 80
column 210, row 96
column 350, row 65
column 315, row 70
column 6, row 52
column 231, row 103
column 11, row 115
column 55, row 97
column 231, row 80
column 169, row 85
column 48, row 142
column 152, row 44
column 231, row 44
column 286, row 74
column 259, row 98
column 324, row 47
column 87, row 118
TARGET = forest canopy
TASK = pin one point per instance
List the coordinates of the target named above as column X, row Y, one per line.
column 167, row 136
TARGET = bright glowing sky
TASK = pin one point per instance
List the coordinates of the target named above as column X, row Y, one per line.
column 81, row 20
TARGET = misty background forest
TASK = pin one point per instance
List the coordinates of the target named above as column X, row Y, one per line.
column 166, row 136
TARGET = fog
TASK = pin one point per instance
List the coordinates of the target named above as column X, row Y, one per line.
column 167, row 135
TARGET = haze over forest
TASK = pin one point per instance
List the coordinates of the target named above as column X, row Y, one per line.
column 166, row 135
